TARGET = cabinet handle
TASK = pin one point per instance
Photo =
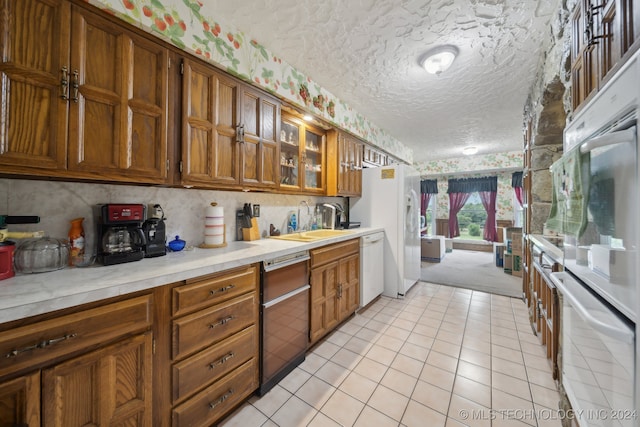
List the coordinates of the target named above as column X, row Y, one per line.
column 540, row 315
column 41, row 344
column 76, row 86
column 240, row 133
column 590, row 12
column 226, row 288
column 64, row 84
column 222, row 360
column 221, row 322
column 221, row 399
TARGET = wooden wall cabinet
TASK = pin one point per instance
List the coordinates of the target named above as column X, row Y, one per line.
column 228, row 131
column 604, row 34
column 302, row 156
column 260, row 122
column 85, row 98
column 335, row 286
column 372, row 157
column 91, row 367
column 344, row 164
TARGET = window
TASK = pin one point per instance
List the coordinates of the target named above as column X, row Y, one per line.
column 471, row 219
column 430, row 220
column 518, row 212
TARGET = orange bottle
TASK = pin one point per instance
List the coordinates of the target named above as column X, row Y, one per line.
column 76, row 239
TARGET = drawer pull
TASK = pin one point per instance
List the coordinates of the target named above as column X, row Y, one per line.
column 41, row 344
column 221, row 361
column 221, row 322
column 226, row 288
column 221, row 399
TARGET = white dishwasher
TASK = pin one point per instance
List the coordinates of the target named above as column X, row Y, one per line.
column 371, row 267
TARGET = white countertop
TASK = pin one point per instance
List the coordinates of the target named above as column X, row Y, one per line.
column 28, row 295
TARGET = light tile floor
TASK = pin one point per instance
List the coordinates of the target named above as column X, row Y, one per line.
column 442, row 356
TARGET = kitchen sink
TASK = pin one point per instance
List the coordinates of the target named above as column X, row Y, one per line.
column 313, row 235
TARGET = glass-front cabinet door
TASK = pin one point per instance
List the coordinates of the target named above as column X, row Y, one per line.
column 302, row 151
column 313, row 156
column 289, row 154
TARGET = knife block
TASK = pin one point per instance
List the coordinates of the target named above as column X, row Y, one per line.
column 252, row 233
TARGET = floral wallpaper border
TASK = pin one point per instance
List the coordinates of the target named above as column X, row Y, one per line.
column 472, row 167
column 481, row 162
column 193, row 26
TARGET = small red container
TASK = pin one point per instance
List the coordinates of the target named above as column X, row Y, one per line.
column 6, row 259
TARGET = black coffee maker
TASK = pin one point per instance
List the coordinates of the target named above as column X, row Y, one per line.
column 155, row 234
column 120, row 238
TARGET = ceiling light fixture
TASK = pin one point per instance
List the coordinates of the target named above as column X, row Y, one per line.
column 439, row 59
column 307, row 117
column 469, row 151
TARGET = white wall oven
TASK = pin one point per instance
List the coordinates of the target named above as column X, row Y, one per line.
column 596, row 206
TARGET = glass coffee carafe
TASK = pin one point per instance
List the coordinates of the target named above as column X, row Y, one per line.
column 117, row 240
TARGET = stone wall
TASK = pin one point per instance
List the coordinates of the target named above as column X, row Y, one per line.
column 547, row 107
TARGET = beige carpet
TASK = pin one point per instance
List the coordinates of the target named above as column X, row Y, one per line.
column 472, row 270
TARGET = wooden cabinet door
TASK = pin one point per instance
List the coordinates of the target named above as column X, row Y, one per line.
column 324, row 300
column 20, row 401
column 210, row 154
column 118, row 95
column 260, row 117
column 349, row 286
column 34, row 42
column 344, row 165
column 110, row 386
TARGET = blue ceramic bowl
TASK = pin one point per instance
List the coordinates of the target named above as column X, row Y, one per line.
column 177, row 244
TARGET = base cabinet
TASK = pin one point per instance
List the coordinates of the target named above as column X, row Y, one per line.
column 111, row 386
column 335, row 286
column 214, row 345
column 545, row 306
column 20, row 401
column 89, row 367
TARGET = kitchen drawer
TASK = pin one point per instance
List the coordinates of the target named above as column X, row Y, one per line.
column 334, row 252
column 213, row 290
column 215, row 401
column 209, row 365
column 31, row 345
column 205, row 327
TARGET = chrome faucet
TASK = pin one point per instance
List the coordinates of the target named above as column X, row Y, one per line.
column 303, row 202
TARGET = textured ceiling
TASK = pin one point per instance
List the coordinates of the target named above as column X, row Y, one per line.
column 366, row 53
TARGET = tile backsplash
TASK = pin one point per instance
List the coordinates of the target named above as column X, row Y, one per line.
column 57, row 203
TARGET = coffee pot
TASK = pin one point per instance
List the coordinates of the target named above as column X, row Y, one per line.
column 120, row 235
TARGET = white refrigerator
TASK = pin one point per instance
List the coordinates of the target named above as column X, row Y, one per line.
column 390, row 199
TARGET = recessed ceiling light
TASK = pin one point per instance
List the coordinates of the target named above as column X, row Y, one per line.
column 469, row 151
column 439, row 59
column 307, row 117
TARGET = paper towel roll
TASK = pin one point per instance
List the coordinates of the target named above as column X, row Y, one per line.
column 214, row 225
column 214, row 212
